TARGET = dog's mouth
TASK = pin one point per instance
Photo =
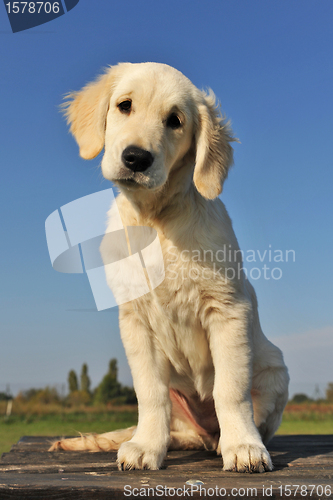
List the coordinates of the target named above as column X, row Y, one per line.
column 128, row 183
column 131, row 180
column 136, row 181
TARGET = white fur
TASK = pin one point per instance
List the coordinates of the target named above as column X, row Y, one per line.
column 198, row 333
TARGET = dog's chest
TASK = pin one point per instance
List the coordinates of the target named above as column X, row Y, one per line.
column 174, row 316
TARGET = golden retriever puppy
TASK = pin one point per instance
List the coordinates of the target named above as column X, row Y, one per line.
column 205, row 375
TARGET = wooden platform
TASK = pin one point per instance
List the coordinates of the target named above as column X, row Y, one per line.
column 303, row 469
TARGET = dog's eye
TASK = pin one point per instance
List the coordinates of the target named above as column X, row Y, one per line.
column 125, row 106
column 173, row 121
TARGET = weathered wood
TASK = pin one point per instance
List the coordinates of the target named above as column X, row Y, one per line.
column 29, row 471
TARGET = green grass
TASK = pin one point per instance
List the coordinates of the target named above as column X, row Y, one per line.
column 297, row 419
column 68, row 424
column 306, row 427
column 307, row 419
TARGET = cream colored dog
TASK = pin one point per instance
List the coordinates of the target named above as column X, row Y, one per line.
column 205, row 375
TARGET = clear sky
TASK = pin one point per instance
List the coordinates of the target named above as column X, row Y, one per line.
column 271, row 65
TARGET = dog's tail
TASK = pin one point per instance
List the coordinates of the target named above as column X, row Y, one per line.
column 109, row 441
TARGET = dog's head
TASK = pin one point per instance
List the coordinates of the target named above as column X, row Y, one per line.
column 149, row 117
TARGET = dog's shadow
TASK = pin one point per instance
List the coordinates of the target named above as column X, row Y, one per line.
column 283, row 449
column 286, row 450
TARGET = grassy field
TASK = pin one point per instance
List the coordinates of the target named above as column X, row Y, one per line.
column 50, row 421
column 307, row 418
column 16, row 426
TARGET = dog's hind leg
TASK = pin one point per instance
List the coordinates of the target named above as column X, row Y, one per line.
column 186, row 433
column 269, row 392
column 270, row 378
column 109, row 441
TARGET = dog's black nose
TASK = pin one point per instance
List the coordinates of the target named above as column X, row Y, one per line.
column 137, row 159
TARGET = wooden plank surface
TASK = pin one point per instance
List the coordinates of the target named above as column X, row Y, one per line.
column 303, row 468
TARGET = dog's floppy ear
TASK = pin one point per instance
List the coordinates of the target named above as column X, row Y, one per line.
column 214, row 155
column 86, row 112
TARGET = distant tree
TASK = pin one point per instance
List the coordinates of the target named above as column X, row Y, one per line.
column 113, row 368
column 47, row 395
column 44, row 396
column 72, row 382
column 85, row 380
column 27, row 395
column 300, row 398
column 329, row 392
column 5, row 397
column 129, row 395
column 109, row 388
column 78, row 398
column 30, row 394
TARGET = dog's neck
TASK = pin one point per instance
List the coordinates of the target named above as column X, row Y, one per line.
column 160, row 209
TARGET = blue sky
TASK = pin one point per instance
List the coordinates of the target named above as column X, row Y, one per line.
column 270, row 64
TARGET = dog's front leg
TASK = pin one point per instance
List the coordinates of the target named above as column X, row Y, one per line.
column 231, row 347
column 150, row 371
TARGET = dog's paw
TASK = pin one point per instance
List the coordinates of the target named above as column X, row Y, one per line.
column 247, row 458
column 132, row 455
